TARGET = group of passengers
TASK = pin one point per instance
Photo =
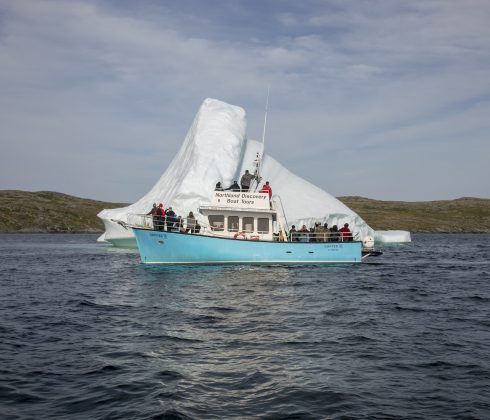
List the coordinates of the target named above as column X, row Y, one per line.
column 321, row 233
column 167, row 219
column 245, row 182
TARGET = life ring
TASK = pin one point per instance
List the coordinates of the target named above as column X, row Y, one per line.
column 240, row 235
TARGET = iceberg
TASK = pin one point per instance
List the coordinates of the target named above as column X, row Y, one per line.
column 216, row 148
column 392, row 236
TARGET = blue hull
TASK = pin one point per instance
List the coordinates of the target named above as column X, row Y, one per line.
column 180, row 248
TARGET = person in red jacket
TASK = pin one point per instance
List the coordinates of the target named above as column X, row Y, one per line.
column 158, row 214
column 346, row 234
column 267, row 188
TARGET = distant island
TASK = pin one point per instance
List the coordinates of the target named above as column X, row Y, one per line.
column 51, row 212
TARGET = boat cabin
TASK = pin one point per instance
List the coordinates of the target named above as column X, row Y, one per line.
column 240, row 215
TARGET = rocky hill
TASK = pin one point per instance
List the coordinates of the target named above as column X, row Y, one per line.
column 460, row 215
column 47, row 211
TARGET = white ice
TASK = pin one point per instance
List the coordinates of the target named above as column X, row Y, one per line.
column 216, row 149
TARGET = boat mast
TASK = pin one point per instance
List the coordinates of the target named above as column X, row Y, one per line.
column 258, row 160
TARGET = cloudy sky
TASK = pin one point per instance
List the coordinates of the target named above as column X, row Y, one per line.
column 381, row 98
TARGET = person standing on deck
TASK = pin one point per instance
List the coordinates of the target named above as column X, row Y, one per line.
column 267, row 189
column 346, row 233
column 319, row 233
column 245, row 180
column 158, row 214
column 234, row 187
column 191, row 223
column 153, row 210
column 171, row 219
column 303, row 236
column 327, row 232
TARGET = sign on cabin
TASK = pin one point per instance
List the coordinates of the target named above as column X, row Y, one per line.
column 241, row 200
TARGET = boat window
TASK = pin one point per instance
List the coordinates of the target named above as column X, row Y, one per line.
column 232, row 223
column 263, row 225
column 248, row 224
column 216, row 222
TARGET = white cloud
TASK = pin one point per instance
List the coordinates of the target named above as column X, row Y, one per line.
column 360, row 78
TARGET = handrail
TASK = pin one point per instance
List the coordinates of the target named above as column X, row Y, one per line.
column 148, row 221
column 308, row 236
column 140, row 220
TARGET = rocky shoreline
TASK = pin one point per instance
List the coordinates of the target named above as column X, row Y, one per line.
column 52, row 212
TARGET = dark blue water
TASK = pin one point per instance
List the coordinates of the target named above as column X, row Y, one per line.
column 88, row 332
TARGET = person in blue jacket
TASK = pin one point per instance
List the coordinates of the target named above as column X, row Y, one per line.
column 171, row 218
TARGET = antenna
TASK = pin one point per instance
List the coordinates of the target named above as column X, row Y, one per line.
column 265, row 118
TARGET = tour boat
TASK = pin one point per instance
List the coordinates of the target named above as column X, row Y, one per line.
column 243, row 227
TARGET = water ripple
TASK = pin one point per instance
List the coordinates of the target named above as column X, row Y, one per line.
column 88, row 332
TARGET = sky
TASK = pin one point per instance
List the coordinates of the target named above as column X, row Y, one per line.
column 387, row 99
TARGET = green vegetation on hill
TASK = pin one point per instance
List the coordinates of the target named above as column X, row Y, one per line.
column 460, row 215
column 46, row 211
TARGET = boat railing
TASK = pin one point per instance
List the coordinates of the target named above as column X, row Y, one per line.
column 140, row 221
column 165, row 223
column 148, row 221
column 323, row 236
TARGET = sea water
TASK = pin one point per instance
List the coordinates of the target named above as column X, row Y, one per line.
column 86, row 331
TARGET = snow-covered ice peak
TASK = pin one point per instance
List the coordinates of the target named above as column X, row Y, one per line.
column 212, row 151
